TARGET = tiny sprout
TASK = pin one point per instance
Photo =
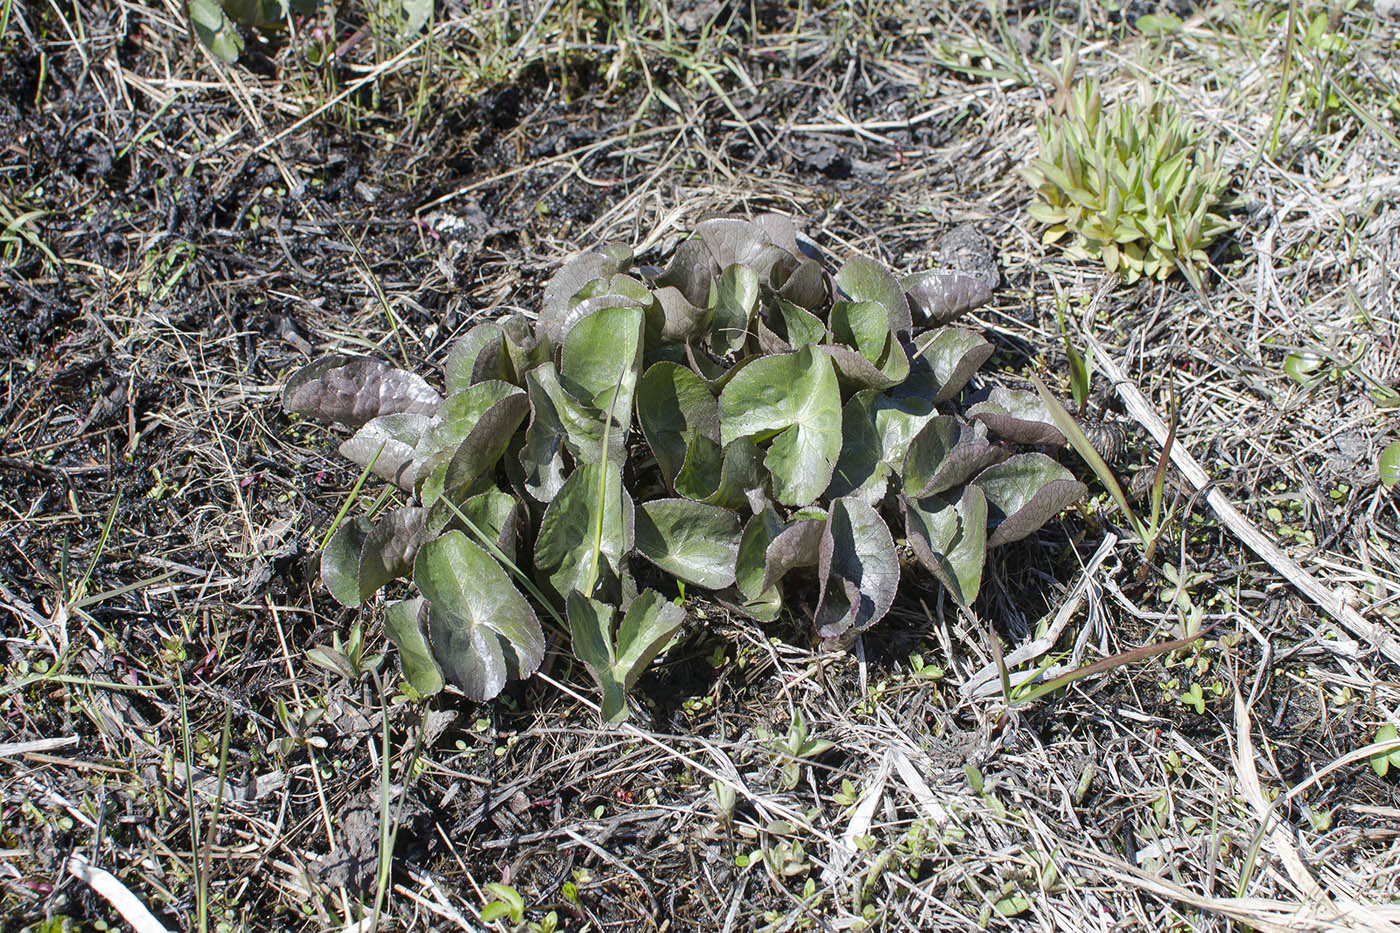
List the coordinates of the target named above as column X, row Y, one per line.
column 1389, row 465
column 1382, row 760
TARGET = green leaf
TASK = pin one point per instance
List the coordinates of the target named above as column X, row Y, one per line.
column 862, row 326
column 865, row 328
column 404, row 626
column 563, row 551
column 482, row 630
column 1018, row 417
column 352, row 390
column 864, row 280
column 1388, row 465
column 600, row 360
column 734, row 299
column 1158, row 23
column 617, row 661
column 950, row 539
column 476, row 425
column 751, row 565
column 673, row 406
column 410, row 16
column 876, row 431
column 794, row 399
column 801, row 327
column 1382, row 761
column 1024, row 493
column 494, row 513
column 858, row 569
column 946, row 453
column 695, row 542
column 554, row 322
column 476, row 356
column 215, row 31
column 721, row 476
column 952, row 355
column 558, row 424
column 1303, row 367
column 340, row 560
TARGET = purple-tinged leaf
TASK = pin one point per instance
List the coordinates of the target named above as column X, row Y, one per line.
column 858, row 569
column 953, row 355
column 1024, row 493
column 942, row 295
column 946, row 453
column 390, row 547
column 351, row 390
column 390, row 442
column 876, row 432
column 1018, row 417
column 950, row 538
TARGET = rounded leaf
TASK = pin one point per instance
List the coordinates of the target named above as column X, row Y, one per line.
column 1024, row 493
column 952, row 355
column 352, row 390
column 1389, row 465
column 482, row 630
column 858, row 569
column 863, row 279
column 950, row 538
column 944, row 295
column 389, row 446
column 946, row 453
column 674, row 405
column 476, row 356
column 794, row 399
column 876, row 431
column 734, row 299
column 1019, row 417
column 340, row 560
column 564, row 548
column 390, row 547
column 567, row 282
column 695, row 542
column 403, row 625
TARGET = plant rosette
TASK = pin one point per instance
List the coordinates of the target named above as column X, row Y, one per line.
column 1134, row 186
column 720, row 424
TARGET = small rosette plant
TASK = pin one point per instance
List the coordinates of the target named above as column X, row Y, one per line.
column 1133, row 186
column 736, row 422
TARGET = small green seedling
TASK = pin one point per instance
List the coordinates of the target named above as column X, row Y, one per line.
column 1388, row 465
column 796, row 746
column 348, row 659
column 1386, row 758
column 506, row 903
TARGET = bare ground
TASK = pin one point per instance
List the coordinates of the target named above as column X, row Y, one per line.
column 180, row 234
